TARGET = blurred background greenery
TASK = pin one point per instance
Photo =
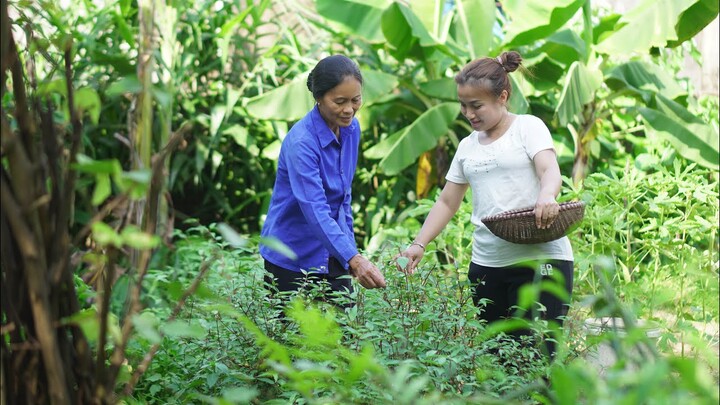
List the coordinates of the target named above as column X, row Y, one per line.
column 637, row 139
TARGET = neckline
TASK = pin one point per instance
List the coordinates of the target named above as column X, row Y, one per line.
column 512, row 124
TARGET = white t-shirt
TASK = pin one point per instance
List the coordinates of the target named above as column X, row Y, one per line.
column 502, row 177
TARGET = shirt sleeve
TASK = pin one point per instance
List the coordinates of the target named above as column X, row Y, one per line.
column 456, row 173
column 536, row 136
column 303, row 166
column 347, row 208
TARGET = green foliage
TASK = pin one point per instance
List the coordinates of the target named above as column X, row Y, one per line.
column 419, row 340
column 230, row 72
column 321, row 355
column 651, row 222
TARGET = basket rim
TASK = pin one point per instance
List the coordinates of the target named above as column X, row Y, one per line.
column 528, row 211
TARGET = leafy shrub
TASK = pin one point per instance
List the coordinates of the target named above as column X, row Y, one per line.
column 418, row 341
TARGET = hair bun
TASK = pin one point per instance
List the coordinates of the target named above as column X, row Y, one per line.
column 510, row 61
column 310, row 81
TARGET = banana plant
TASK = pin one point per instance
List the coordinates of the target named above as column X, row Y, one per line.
column 415, row 48
column 593, row 87
column 583, row 74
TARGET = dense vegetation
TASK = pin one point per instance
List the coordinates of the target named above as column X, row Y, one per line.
column 138, row 154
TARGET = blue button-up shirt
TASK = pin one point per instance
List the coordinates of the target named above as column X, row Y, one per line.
column 310, row 206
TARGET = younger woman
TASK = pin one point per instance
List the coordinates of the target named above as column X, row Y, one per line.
column 509, row 162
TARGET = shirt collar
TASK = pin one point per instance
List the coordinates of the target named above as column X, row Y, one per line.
column 324, row 134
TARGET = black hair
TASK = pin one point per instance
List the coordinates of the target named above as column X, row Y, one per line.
column 330, row 72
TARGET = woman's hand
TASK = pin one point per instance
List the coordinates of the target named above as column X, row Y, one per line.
column 414, row 254
column 546, row 211
column 546, row 208
column 366, row 273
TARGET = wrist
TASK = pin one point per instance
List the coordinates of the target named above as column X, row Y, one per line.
column 416, row 243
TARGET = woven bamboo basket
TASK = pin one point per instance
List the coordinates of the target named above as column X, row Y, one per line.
column 518, row 226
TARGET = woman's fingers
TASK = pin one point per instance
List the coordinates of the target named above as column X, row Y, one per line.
column 370, row 277
column 545, row 214
column 409, row 259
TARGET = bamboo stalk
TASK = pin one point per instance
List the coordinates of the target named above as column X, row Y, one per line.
column 37, row 289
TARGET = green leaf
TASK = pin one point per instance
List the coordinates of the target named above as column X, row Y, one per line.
column 546, row 74
column 579, row 89
column 277, row 245
column 231, row 236
column 242, row 138
column 474, row 25
column 361, row 364
column 240, row 395
column 563, row 47
column 146, row 326
column 125, row 6
column 694, row 19
column 503, row 326
column 272, row 151
column 231, row 99
column 527, row 296
column 318, row 328
column 135, row 181
column 103, row 189
column 104, row 235
column 183, row 329
column 88, row 321
column 55, row 86
column 430, row 13
column 239, row 134
column 377, row 84
column 402, row 261
column 126, row 32
column 275, row 104
column 126, row 85
column 650, row 24
column 86, row 164
column 132, row 236
column 444, row 89
column 691, row 137
column 142, row 176
column 405, row 33
column 643, row 79
column 87, row 100
column 402, row 148
column 565, row 385
column 359, row 17
column 517, row 103
column 605, row 27
column 230, row 25
column 217, row 115
column 534, row 20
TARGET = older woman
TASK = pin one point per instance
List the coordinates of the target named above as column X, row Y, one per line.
column 310, row 207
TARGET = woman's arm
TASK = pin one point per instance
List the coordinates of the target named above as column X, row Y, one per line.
column 440, row 214
column 548, row 171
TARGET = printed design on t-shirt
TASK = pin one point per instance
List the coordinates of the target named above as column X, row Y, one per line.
column 480, row 165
